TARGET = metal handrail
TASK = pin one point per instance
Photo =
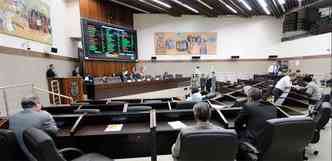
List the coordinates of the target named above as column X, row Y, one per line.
column 3, row 88
column 17, row 85
column 57, row 94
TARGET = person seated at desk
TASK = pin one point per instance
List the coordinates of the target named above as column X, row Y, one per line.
column 311, row 89
column 251, row 121
column 283, row 86
column 202, row 114
column 196, row 95
column 31, row 116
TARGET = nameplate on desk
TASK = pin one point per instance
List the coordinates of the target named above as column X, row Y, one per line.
column 114, row 127
column 177, row 124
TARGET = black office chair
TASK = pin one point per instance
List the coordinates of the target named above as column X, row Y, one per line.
column 321, row 117
column 284, row 139
column 208, row 145
column 9, row 147
column 43, row 148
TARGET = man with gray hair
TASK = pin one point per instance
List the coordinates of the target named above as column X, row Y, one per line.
column 202, row 114
column 31, row 116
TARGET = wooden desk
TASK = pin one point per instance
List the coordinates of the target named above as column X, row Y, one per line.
column 103, row 91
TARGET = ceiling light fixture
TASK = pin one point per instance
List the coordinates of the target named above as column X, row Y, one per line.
column 228, row 6
column 281, row 2
column 150, row 4
column 246, row 4
column 130, row 6
column 186, row 6
column 162, row 3
column 204, row 4
column 264, row 5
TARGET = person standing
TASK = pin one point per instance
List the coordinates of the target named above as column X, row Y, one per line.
column 50, row 73
column 274, row 69
column 76, row 72
column 196, row 78
column 283, row 87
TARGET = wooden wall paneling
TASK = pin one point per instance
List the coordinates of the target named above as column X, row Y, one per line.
column 107, row 12
column 84, row 7
column 106, row 68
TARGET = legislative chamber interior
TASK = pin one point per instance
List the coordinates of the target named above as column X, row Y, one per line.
column 165, row 80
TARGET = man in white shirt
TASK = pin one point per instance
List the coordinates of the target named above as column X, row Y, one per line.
column 283, row 86
column 196, row 96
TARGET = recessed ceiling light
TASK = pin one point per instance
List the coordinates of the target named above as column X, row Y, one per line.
column 186, row 6
column 246, row 4
column 150, row 4
column 130, row 6
column 264, row 5
column 228, row 6
column 281, row 2
column 204, row 4
column 162, row 3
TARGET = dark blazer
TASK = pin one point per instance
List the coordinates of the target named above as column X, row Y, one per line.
column 50, row 73
column 252, row 120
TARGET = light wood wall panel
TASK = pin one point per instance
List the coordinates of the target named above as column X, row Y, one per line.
column 101, row 68
column 106, row 11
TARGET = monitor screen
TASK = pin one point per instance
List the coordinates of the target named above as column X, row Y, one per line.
column 105, row 41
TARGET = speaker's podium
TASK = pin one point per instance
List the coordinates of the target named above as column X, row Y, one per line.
column 68, row 86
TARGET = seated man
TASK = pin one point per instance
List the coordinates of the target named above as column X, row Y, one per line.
column 312, row 90
column 252, row 118
column 196, row 96
column 202, row 114
column 31, row 116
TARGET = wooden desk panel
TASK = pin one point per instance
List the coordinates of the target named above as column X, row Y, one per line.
column 103, row 91
column 128, row 128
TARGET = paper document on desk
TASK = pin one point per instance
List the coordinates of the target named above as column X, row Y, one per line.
column 177, row 124
column 114, row 127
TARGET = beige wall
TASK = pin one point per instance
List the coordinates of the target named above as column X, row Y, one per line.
column 16, row 69
column 225, row 70
column 320, row 67
column 232, row 70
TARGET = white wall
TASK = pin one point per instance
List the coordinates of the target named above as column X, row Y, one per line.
column 313, row 45
column 246, row 37
column 62, row 11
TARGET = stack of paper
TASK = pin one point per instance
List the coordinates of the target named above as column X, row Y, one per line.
column 177, row 124
column 114, row 127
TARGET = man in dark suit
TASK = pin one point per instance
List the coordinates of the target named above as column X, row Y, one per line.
column 50, row 73
column 252, row 119
column 202, row 113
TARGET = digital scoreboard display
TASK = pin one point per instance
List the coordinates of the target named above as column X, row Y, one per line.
column 104, row 41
